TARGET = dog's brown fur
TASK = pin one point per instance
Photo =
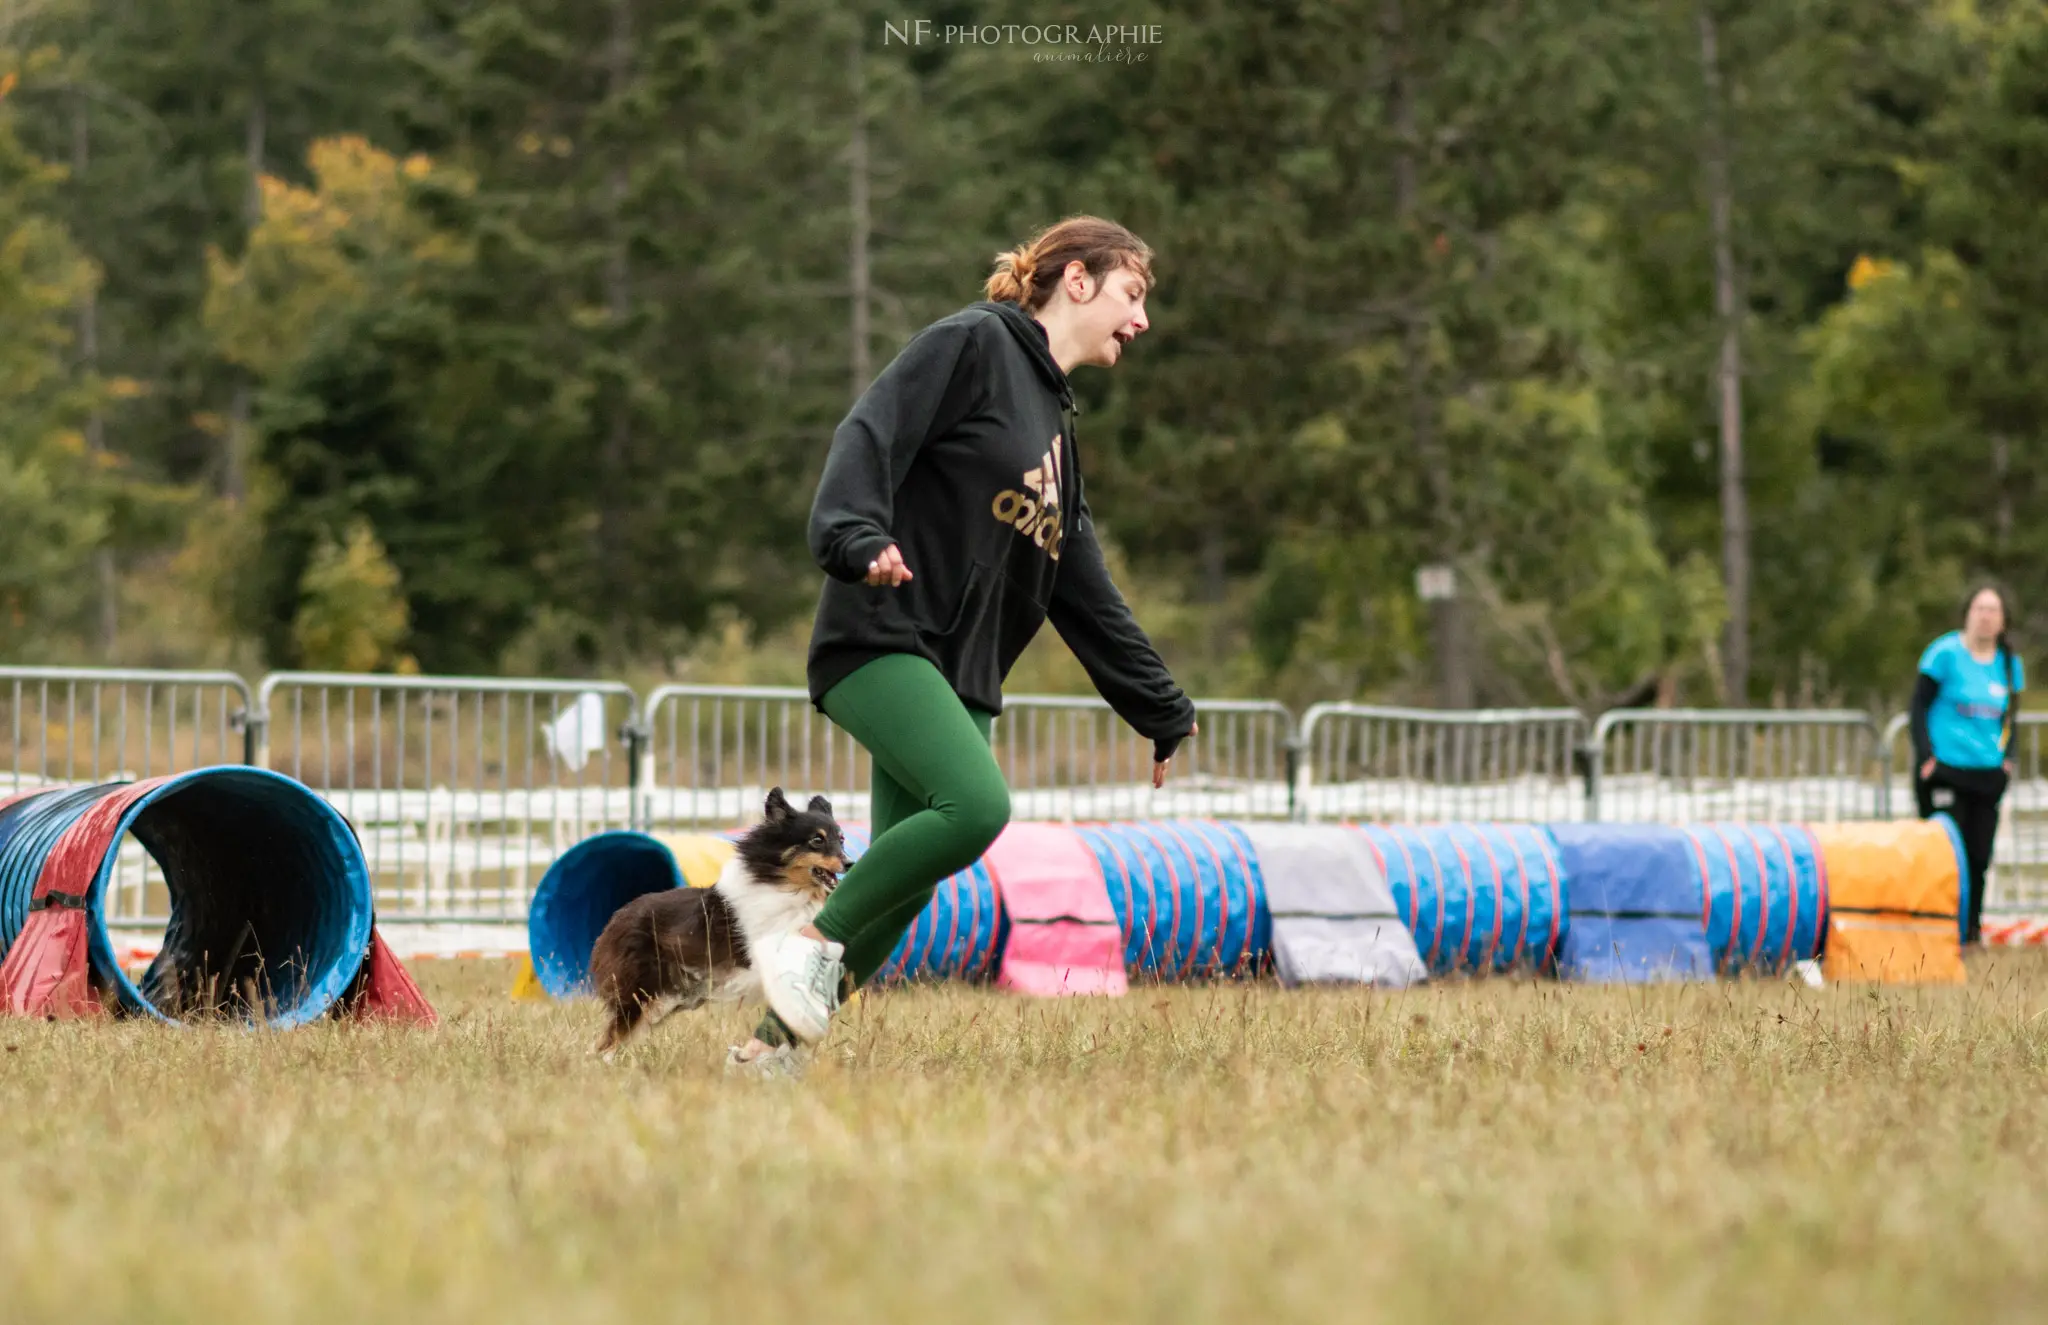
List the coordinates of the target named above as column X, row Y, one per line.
column 675, row 950
column 663, row 947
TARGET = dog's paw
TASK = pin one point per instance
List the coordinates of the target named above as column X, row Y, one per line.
column 782, row 1063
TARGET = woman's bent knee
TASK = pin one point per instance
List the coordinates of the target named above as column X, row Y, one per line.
column 981, row 815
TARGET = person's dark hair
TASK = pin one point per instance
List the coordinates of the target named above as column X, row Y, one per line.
column 2004, row 610
column 1028, row 274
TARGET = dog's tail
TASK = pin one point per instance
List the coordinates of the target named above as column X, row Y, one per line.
column 624, row 1021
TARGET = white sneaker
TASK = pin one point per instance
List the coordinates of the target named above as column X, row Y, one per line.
column 783, row 1062
column 800, row 979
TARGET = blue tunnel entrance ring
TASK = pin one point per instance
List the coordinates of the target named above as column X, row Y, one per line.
column 579, row 894
column 269, row 895
column 270, row 908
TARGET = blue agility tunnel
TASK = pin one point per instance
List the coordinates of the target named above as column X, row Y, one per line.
column 1412, row 872
column 270, row 915
column 1186, row 893
column 1765, row 894
column 1479, row 898
column 1638, row 904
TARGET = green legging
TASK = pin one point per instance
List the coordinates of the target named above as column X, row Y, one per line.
column 938, row 801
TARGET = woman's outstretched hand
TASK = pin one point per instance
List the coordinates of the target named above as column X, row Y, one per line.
column 889, row 568
column 1159, row 767
column 1927, row 770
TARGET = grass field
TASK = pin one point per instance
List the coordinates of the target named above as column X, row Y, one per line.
column 1497, row 1151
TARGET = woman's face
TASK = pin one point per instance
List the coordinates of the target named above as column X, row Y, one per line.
column 1112, row 319
column 1986, row 619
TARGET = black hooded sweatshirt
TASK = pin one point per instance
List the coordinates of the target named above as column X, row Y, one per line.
column 962, row 455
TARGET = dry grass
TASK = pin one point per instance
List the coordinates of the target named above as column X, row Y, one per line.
column 1505, row 1151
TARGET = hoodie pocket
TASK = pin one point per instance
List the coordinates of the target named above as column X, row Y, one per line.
column 967, row 647
column 965, row 608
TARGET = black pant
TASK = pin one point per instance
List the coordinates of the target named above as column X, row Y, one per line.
column 1970, row 796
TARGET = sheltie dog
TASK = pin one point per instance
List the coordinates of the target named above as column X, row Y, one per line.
column 678, row 949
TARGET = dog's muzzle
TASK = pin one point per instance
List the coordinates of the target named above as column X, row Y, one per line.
column 829, row 879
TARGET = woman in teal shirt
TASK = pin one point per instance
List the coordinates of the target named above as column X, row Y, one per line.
column 1964, row 707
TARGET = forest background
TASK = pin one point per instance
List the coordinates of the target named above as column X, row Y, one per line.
column 1704, row 342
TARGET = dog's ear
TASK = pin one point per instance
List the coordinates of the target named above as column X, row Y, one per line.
column 819, row 805
column 777, row 808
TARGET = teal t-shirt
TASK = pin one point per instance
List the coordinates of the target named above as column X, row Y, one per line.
column 1968, row 716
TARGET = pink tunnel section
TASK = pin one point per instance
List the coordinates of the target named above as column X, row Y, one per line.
column 1064, row 936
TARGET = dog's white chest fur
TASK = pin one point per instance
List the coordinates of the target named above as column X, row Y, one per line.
column 761, row 910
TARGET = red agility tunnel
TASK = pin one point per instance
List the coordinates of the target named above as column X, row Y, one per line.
column 270, row 916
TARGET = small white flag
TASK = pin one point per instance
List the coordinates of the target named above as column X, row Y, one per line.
column 579, row 732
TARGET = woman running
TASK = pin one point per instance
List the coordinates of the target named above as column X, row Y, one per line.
column 951, row 521
column 1964, row 707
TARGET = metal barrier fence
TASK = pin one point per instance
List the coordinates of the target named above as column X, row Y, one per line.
column 1069, row 758
column 465, row 789
column 713, row 751
column 1704, row 765
column 2018, row 877
column 462, row 789
column 1898, row 762
column 1422, row 765
column 79, row 726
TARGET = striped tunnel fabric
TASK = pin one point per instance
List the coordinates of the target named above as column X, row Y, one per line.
column 1478, row 897
column 1187, row 895
column 1764, row 892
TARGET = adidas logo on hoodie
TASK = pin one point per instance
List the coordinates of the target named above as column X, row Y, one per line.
column 1035, row 512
